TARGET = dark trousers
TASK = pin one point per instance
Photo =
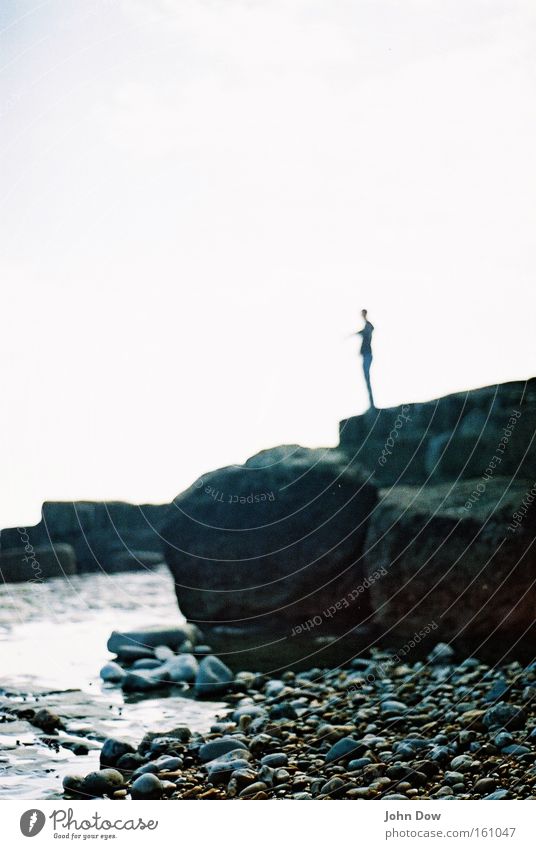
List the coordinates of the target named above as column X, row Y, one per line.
column 367, row 362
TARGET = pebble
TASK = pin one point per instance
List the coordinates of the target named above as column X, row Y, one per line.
column 344, row 749
column 502, row 739
column 485, row 786
column 416, row 731
column 252, row 789
column 216, row 748
column 147, row 786
column 113, row 749
column 213, row 677
column 182, row 668
column 275, row 759
column 358, row 763
column 103, row 783
column 462, row 763
column 504, row 715
column 112, row 673
column 141, row 681
column 163, row 653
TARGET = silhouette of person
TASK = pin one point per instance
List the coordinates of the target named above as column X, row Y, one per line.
column 366, row 352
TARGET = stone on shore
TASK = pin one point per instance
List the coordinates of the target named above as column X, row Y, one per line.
column 112, row 672
column 150, row 638
column 213, row 678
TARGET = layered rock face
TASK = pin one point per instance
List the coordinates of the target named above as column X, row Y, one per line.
column 449, row 438
column 108, row 536
column 454, row 556
column 270, row 544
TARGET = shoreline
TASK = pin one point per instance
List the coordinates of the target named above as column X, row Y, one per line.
column 376, row 730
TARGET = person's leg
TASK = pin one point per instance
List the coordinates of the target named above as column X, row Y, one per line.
column 367, row 361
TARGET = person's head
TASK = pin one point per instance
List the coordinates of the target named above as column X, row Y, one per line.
column 364, row 314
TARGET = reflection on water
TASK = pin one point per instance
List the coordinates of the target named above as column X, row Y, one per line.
column 52, row 646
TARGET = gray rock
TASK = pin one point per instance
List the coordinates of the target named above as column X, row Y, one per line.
column 213, row 678
column 113, row 749
column 182, row 668
column 216, row 748
column 333, row 788
column 441, row 653
column 111, row 672
column 485, row 786
column 103, row 783
column 129, row 653
column 163, row 653
column 252, row 789
column 220, row 771
column 498, row 794
column 147, row 786
column 169, row 764
column 141, row 681
column 516, row 750
column 275, row 759
column 147, row 663
column 345, row 748
column 453, row 778
column 358, row 763
column 73, row 785
column 390, row 706
column 150, row 638
column 274, row 687
column 252, row 710
column 502, row 739
column 504, row 715
column 461, row 763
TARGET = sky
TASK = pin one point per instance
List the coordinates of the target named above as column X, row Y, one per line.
column 198, row 197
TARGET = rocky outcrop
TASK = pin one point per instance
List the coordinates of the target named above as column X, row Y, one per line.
column 456, row 556
column 27, row 563
column 449, row 438
column 270, row 544
column 108, row 536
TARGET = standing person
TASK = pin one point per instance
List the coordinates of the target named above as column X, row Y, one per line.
column 366, row 352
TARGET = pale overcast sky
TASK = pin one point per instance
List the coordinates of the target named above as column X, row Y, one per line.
column 198, row 198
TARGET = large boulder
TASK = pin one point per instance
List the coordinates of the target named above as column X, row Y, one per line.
column 456, row 558
column 270, row 544
column 27, row 563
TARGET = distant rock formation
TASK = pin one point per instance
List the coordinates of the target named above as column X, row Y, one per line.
column 37, row 564
column 110, row 536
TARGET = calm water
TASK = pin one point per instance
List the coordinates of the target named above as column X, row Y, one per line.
column 52, row 646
